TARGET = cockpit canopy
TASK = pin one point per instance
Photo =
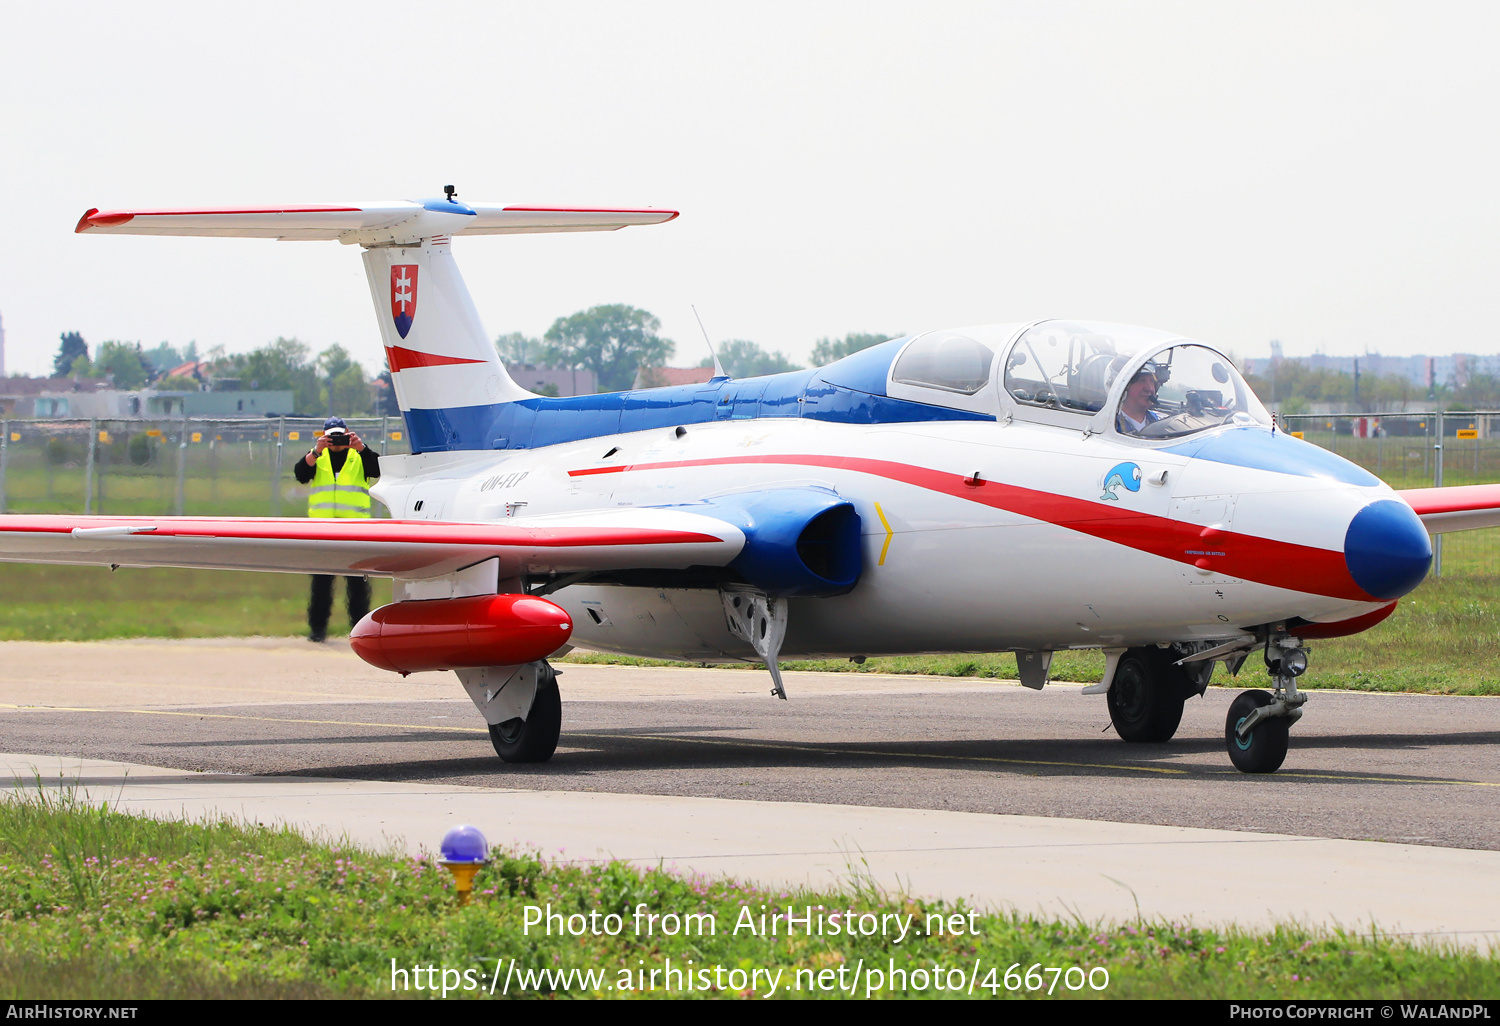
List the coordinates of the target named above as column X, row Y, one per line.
column 1169, row 390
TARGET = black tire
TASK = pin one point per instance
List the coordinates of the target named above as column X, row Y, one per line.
column 533, row 739
column 1145, row 700
column 1264, row 750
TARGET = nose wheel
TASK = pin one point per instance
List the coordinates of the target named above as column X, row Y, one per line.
column 1257, row 729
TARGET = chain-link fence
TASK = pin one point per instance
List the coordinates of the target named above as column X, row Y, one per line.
column 244, row 467
column 146, row 467
column 1422, row 450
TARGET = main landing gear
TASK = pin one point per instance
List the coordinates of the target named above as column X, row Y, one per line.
column 1256, row 729
column 522, row 706
column 1149, row 689
column 533, row 739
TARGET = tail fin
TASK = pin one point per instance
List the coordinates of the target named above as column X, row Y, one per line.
column 449, row 380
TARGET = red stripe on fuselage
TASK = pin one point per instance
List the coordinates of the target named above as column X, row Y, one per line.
column 402, row 359
column 1303, row 568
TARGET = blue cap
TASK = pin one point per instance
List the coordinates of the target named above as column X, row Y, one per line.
column 464, row 844
column 335, row 422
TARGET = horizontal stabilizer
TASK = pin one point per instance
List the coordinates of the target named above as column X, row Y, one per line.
column 615, row 539
column 1461, row 508
column 367, row 224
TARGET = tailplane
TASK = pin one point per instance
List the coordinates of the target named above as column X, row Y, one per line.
column 448, row 379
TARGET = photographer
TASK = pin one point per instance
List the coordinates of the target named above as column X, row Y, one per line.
column 341, row 488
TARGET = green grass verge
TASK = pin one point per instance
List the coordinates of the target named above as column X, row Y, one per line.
column 98, row 904
column 85, row 603
column 1443, row 639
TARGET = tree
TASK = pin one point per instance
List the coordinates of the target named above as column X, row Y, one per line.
column 122, row 362
column 827, row 350
column 165, row 357
column 385, row 396
column 282, row 364
column 344, row 382
column 613, row 341
column 162, row 358
column 517, row 347
column 1299, row 386
column 73, row 346
column 744, row 359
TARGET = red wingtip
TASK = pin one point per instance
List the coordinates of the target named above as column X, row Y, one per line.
column 93, row 219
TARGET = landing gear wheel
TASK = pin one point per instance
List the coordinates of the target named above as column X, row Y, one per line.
column 1264, row 749
column 533, row 739
column 1145, row 700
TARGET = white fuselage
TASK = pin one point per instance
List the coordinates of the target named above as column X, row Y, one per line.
column 944, row 569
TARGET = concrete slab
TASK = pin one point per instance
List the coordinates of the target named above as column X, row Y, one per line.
column 1099, row 871
column 176, row 672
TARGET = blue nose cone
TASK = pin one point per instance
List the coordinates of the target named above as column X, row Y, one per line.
column 1387, row 549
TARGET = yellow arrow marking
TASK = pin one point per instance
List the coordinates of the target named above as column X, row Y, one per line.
column 888, row 534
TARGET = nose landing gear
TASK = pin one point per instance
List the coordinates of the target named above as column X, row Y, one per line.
column 1256, row 729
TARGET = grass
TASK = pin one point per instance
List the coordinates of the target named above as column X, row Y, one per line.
column 85, row 603
column 98, row 904
column 1443, row 639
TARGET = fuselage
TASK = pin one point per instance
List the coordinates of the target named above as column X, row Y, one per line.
column 979, row 532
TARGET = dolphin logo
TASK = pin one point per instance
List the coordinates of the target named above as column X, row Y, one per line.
column 1121, row 475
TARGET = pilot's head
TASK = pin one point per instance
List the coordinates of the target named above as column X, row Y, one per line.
column 1140, row 394
column 1144, row 384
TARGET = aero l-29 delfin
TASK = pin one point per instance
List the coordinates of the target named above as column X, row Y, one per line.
column 1028, row 487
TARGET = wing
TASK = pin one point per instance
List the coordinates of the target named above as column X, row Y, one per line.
column 646, row 539
column 496, row 220
column 366, row 223
column 1462, row 508
column 285, row 222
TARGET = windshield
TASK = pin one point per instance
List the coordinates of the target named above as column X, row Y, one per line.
column 1066, row 365
column 1183, row 390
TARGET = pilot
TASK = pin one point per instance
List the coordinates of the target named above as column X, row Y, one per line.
column 1137, row 408
column 341, row 488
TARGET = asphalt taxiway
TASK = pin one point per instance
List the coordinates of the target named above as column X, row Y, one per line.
column 957, row 788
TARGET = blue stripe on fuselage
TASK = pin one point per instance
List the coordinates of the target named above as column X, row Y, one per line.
column 1259, row 449
column 823, row 393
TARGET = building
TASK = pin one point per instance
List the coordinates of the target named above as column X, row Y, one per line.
column 18, row 396
column 146, row 404
column 555, row 381
column 1454, row 370
column 656, row 377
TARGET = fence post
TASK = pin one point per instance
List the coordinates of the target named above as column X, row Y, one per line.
column 385, row 431
column 88, row 469
column 276, row 468
column 1437, row 482
column 4, row 458
column 182, row 441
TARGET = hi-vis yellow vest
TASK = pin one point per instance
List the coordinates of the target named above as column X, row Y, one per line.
column 345, row 494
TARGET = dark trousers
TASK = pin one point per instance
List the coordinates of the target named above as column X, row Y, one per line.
column 321, row 604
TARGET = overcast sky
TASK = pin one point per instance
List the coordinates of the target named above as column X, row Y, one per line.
column 1320, row 173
